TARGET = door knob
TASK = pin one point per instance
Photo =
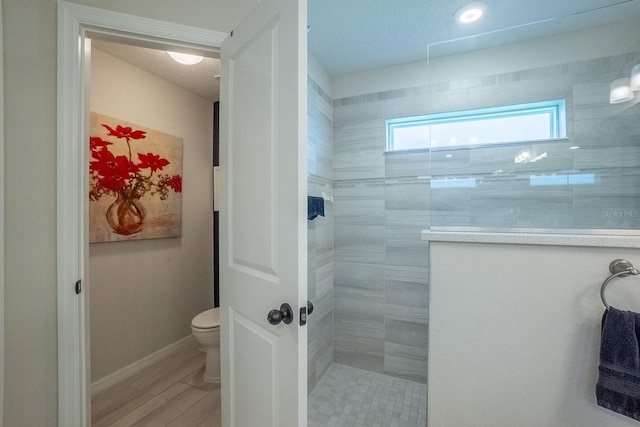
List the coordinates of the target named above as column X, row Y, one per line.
column 309, row 307
column 285, row 314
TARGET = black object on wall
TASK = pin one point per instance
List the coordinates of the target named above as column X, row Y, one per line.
column 216, row 229
column 216, row 261
column 216, row 133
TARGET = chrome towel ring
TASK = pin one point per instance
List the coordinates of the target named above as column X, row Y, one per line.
column 618, row 268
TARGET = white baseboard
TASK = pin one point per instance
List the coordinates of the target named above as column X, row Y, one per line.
column 140, row 365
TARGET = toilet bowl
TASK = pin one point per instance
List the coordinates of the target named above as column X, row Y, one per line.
column 206, row 329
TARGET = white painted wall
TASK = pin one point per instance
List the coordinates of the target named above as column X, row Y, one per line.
column 143, row 294
column 30, row 109
column 514, row 334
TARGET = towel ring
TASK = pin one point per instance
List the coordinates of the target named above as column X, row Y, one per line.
column 618, row 268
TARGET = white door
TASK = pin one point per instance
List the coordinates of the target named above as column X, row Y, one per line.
column 262, row 193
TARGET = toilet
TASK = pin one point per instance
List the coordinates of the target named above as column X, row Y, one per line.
column 206, row 329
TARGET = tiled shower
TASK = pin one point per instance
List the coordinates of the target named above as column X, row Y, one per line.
column 368, row 267
column 367, row 275
column 367, row 264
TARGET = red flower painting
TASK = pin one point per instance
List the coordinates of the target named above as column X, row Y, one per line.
column 126, row 178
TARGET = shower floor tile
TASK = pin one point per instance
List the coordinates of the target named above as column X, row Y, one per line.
column 347, row 396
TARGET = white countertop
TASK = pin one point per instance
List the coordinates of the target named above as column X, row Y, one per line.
column 533, row 238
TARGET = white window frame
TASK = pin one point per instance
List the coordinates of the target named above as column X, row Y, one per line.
column 555, row 109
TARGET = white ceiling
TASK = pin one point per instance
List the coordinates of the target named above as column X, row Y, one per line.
column 202, row 79
column 348, row 36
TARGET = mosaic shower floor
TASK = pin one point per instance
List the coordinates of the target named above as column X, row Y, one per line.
column 347, row 396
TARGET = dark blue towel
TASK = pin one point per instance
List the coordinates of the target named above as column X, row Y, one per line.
column 315, row 207
column 618, row 387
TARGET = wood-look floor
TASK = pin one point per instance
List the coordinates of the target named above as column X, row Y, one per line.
column 169, row 393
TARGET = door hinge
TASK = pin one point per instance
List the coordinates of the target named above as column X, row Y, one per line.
column 78, row 287
column 231, row 33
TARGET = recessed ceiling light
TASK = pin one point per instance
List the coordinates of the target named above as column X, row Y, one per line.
column 185, row 58
column 471, row 12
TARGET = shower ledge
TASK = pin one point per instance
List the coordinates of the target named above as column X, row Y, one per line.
column 549, row 239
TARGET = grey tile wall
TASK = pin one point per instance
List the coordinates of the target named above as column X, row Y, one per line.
column 381, row 207
column 503, row 195
column 384, row 200
column 320, row 235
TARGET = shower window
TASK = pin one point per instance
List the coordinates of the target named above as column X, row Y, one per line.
column 557, row 152
column 536, row 121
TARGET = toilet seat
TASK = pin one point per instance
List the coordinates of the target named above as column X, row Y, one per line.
column 208, row 319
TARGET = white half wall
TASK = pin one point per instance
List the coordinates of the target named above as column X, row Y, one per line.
column 514, row 334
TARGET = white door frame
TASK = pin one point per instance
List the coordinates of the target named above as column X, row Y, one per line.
column 1, row 223
column 75, row 24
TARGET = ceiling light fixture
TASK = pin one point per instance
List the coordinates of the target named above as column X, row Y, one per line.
column 620, row 91
column 471, row 12
column 185, row 58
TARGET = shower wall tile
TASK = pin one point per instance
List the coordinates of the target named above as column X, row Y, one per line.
column 407, row 293
column 321, row 328
column 320, row 132
column 324, row 280
column 519, row 92
column 364, row 164
column 320, row 233
column 320, row 324
column 416, row 104
column 311, row 286
column 406, row 362
column 359, row 221
column 356, row 113
column 624, row 124
column 403, row 246
column 407, row 164
column 381, row 207
column 409, row 194
column 406, row 322
column 359, row 136
column 410, row 334
column 359, row 202
column 311, row 248
column 612, row 157
column 324, row 359
column 323, row 307
column 406, row 349
column 454, row 100
column 414, row 218
column 356, row 318
column 359, row 243
column 360, row 281
column 407, row 252
column 359, row 315
column 320, row 350
column 363, row 353
column 407, row 215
